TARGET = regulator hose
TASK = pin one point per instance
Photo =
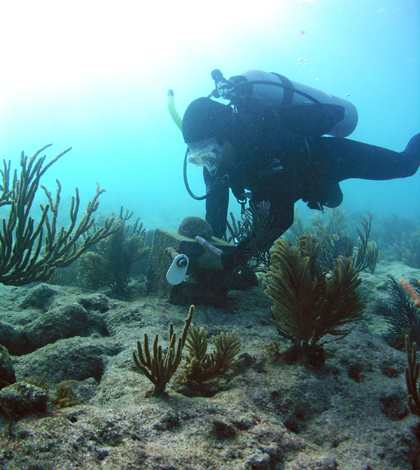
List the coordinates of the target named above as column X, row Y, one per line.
column 187, row 186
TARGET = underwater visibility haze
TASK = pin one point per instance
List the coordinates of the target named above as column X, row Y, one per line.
column 95, row 77
column 296, row 360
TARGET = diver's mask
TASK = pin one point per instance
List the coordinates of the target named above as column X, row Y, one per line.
column 207, row 152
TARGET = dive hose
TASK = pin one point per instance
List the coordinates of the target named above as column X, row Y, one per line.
column 178, row 121
column 187, row 186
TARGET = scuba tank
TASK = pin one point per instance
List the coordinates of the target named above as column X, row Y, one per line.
column 283, row 93
column 295, row 102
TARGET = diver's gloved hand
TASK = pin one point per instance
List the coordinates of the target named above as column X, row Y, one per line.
column 211, row 259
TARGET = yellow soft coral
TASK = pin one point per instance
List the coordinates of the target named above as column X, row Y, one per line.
column 308, row 302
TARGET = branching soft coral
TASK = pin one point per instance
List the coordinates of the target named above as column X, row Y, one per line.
column 30, row 251
column 160, row 368
column 199, row 365
column 308, row 302
column 412, row 372
column 111, row 261
column 400, row 313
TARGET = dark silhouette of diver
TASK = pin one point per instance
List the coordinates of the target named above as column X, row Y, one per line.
column 279, row 155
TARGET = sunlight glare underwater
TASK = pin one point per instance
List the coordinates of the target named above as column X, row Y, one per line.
column 52, row 42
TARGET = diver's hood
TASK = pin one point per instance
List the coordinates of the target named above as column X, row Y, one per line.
column 204, row 119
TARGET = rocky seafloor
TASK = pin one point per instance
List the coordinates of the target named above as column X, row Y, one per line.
column 351, row 414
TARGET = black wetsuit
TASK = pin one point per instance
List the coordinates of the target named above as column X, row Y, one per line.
column 281, row 166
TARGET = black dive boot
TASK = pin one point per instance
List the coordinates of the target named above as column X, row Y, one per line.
column 413, row 152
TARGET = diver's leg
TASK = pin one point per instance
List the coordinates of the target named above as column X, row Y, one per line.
column 339, row 159
column 217, row 203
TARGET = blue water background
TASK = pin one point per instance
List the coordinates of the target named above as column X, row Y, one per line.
column 95, row 77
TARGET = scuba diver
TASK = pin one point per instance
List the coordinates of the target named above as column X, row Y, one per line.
column 268, row 144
